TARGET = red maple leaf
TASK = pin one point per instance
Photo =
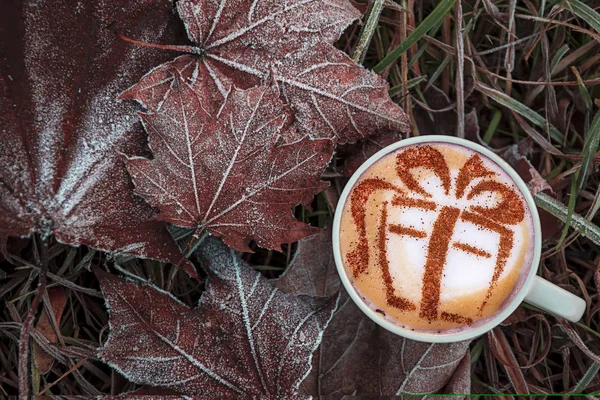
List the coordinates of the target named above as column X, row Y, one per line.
column 357, row 357
column 61, row 128
column 236, row 174
column 246, row 339
column 243, row 42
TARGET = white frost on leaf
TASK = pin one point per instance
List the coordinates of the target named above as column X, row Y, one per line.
column 61, row 170
column 243, row 43
column 357, row 357
column 236, row 174
column 245, row 339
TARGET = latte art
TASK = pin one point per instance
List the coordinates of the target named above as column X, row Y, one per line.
column 436, row 237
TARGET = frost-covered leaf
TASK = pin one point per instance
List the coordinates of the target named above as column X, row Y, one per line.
column 358, row 357
column 246, row 338
column 460, row 382
column 236, row 174
column 241, row 43
column 518, row 155
column 427, row 123
column 61, row 70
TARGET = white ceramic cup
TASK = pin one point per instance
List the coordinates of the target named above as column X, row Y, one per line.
column 535, row 290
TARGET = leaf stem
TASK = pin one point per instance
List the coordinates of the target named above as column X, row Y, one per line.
column 196, row 241
column 180, row 48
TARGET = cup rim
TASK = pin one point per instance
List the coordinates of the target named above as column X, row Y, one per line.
column 424, row 336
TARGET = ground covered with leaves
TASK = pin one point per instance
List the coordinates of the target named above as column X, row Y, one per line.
column 175, row 242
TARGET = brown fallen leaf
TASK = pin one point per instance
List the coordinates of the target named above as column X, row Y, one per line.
column 236, row 173
column 61, row 129
column 242, row 43
column 246, row 338
column 58, row 300
column 147, row 392
column 460, row 382
column 358, row 357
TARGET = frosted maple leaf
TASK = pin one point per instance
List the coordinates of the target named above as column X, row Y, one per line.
column 236, row 174
column 357, row 357
column 459, row 207
column 61, row 130
column 241, row 43
column 246, row 339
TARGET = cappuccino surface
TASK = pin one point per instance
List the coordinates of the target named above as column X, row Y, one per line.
column 436, row 237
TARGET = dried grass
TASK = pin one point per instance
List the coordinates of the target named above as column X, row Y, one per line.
column 529, row 69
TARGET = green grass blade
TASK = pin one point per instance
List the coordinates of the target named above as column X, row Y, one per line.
column 367, row 31
column 489, row 133
column 476, row 351
column 411, row 83
column 556, row 208
column 560, row 53
column 418, row 56
column 520, row 109
column 570, row 210
column 590, row 147
column 591, row 373
column 439, row 70
column 589, row 105
column 431, row 21
column 587, row 328
column 556, row 170
column 490, row 388
column 583, row 11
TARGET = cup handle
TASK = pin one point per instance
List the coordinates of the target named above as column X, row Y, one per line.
column 555, row 300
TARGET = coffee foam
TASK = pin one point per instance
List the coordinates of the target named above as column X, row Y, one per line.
column 471, row 258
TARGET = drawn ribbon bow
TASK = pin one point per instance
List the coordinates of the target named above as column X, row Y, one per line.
column 509, row 211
